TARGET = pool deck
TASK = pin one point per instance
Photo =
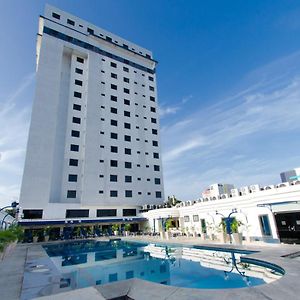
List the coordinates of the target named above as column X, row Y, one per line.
column 40, row 277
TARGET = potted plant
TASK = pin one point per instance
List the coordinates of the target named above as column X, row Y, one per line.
column 35, row 235
column 47, row 233
column 115, row 229
column 168, row 226
column 222, row 236
column 127, row 228
column 236, row 235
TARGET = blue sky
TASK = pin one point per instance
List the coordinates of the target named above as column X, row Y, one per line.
column 228, row 85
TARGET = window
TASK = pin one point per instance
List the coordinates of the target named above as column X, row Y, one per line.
column 128, row 193
column 113, row 110
column 55, row 16
column 127, row 151
column 113, row 98
column 265, row 225
column 113, row 163
column 126, row 79
column 126, row 113
column 125, row 69
column 101, row 161
column 75, row 133
column 155, row 143
column 126, row 91
column 114, row 149
column 155, row 155
column 129, row 212
column 195, row 218
column 127, row 138
column 154, row 131
column 114, row 193
column 109, row 39
column 186, row 218
column 153, row 120
column 78, row 82
column 33, row 213
column 150, row 78
column 101, row 132
column 127, row 125
column 151, row 88
column 113, row 122
column 80, row 60
column 152, row 98
column 156, row 168
column 77, row 95
column 113, row 87
column 101, row 192
column 73, row 162
column 72, row 178
column 126, row 102
column 74, row 147
column 157, row 180
column 128, row 165
column 77, row 107
column 128, row 178
column 90, row 31
column 106, row 213
column 76, row 120
column 113, row 178
column 113, row 135
column 158, row 194
column 113, row 75
column 139, row 179
column 71, row 194
column 152, row 109
column 112, row 64
column 78, row 71
column 70, row 22
column 77, row 213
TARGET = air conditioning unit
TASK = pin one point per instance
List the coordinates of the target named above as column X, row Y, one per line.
column 234, row 192
column 285, row 184
column 269, row 187
column 223, row 196
column 254, row 188
column 205, row 199
column 200, row 200
column 213, row 198
column 245, row 190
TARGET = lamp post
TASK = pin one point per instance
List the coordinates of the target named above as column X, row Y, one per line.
column 228, row 222
column 13, row 205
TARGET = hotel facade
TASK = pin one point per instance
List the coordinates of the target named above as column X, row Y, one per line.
column 94, row 144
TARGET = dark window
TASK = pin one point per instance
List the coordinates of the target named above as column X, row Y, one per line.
column 114, row 149
column 126, row 102
column 155, row 143
column 77, row 95
column 154, row 131
column 72, row 178
column 157, row 180
column 156, row 168
column 126, row 79
column 76, row 120
column 125, row 69
column 114, row 193
column 113, row 98
column 126, row 91
column 113, row 178
column 101, row 192
column 127, row 125
column 113, row 110
column 89, row 30
column 152, row 98
column 71, row 194
column 150, row 78
column 101, row 132
column 102, row 146
column 113, row 163
column 101, row 160
column 113, row 135
column 155, row 155
column 55, row 16
column 77, row 213
column 112, row 64
column 153, row 120
column 148, row 56
column 129, row 212
column 70, row 22
column 128, row 165
column 152, row 109
column 128, row 178
column 109, row 39
column 113, row 75
column 128, row 193
column 75, row 133
column 127, row 151
column 106, row 213
column 77, row 107
column 78, row 82
column 80, row 60
column 139, row 179
column 73, row 162
column 78, row 71
column 265, row 225
column 126, row 113
column 125, row 46
column 127, row 138
column 32, row 213
column 158, row 194
column 74, row 147
column 113, row 122
column 113, row 87
column 151, row 88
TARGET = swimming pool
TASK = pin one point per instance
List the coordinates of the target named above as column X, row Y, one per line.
column 88, row 263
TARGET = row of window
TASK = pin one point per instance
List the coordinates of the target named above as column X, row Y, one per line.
column 125, row 79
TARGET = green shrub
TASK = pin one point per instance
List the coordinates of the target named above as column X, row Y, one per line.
column 14, row 233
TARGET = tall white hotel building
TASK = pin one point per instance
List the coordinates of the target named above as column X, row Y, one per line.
column 94, row 145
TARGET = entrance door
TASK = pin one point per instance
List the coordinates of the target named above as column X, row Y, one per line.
column 288, row 226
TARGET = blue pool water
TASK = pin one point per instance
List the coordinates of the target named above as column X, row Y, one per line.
column 88, row 263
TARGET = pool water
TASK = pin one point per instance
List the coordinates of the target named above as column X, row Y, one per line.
column 87, row 263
